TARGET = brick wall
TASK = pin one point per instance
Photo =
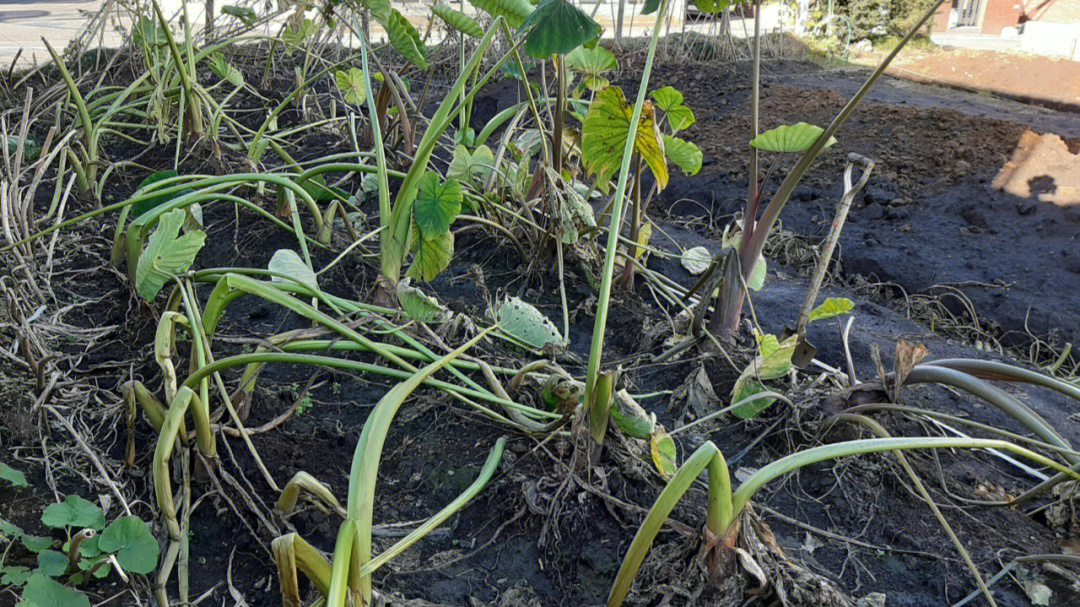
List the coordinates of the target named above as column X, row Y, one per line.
column 1000, row 14
column 940, row 21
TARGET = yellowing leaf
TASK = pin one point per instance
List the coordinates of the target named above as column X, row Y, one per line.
column 833, row 306
column 696, row 260
column 665, row 454
column 643, row 236
column 604, row 133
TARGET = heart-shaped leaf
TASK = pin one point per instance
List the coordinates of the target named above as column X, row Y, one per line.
column 686, row 155
column 557, row 27
column 594, row 62
column 604, row 133
column 287, row 262
column 351, row 84
column 670, row 100
column 166, row 255
column 130, row 539
column 790, row 138
column 523, row 322
column 40, row 591
column 473, row 167
column 13, row 476
column 73, row 512
column 458, row 21
column 437, row 204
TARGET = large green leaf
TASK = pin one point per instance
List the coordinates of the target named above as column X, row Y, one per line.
column 604, row 133
column 557, row 27
column 288, row 263
column 790, row 138
column 40, row 591
column 432, row 254
column 13, row 476
column 405, row 39
column 514, row 11
column 523, row 322
column 166, row 255
column 130, row 539
column 686, row 155
column 436, row 205
column 73, row 512
column 458, row 21
column 351, row 84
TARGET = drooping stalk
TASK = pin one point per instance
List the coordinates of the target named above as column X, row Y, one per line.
column 596, row 349
column 725, row 318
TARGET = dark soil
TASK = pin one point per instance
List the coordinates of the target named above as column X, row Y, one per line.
column 535, row 538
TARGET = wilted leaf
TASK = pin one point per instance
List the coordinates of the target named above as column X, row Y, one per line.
column 557, row 27
column 833, row 306
column 417, row 305
column 643, row 236
column 665, row 454
column 41, row 591
column 630, row 417
column 696, row 260
column 288, row 263
column 130, row 539
column 351, row 84
column 73, row 512
column 686, row 155
column 790, row 138
column 166, row 255
column 432, row 254
column 604, row 133
column 13, row 476
column 697, row 392
column 525, row 323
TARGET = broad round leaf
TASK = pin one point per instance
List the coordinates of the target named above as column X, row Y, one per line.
column 351, row 84
column 130, row 539
column 790, row 138
column 473, row 167
column 667, row 98
column 287, row 262
column 166, row 255
column 696, row 260
column 40, row 591
column 523, row 322
column 514, row 11
column 458, row 21
column 436, row 205
column 36, row 543
column 557, row 27
column 593, row 62
column 686, row 155
column 73, row 512
column 833, row 306
column 52, row 563
column 604, row 133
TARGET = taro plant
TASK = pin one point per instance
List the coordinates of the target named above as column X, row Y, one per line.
column 90, row 550
column 726, row 506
